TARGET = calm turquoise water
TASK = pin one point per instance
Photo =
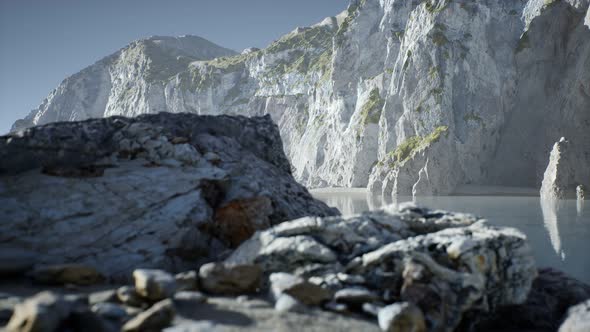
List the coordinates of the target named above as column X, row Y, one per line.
column 559, row 233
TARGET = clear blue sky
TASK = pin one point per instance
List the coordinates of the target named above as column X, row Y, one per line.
column 44, row 41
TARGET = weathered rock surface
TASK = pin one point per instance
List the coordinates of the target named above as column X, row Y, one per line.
column 356, row 296
column 154, row 285
column 578, row 318
column 109, row 295
column 405, row 96
column 567, row 174
column 128, row 296
column 218, row 278
column 108, row 310
column 156, row 318
column 190, row 296
column 188, row 281
column 287, row 303
column 448, row 264
column 401, row 317
column 119, row 193
column 298, row 288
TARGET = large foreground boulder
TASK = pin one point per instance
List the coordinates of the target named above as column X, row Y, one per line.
column 449, row 265
column 164, row 190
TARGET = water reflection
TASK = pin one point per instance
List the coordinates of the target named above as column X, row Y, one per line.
column 550, row 207
column 557, row 231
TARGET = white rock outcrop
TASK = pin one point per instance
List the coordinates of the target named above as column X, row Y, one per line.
column 566, row 175
column 407, row 97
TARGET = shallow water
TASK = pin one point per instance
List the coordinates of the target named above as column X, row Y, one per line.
column 559, row 232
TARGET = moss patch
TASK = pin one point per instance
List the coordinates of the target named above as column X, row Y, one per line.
column 439, row 39
column 371, row 111
column 437, row 94
column 311, row 38
column 309, row 52
column 408, row 148
column 434, row 6
column 433, row 72
column 345, row 25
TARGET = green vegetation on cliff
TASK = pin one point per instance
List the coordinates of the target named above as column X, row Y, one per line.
column 408, row 148
column 370, row 112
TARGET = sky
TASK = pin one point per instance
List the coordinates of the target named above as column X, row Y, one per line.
column 44, row 41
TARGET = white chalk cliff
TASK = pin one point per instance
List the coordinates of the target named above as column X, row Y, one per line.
column 400, row 96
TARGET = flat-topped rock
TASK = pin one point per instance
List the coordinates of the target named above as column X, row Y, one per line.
column 158, row 191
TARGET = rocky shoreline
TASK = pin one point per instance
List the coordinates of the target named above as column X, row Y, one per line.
column 398, row 269
column 180, row 222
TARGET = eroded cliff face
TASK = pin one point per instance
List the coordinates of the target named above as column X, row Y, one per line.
column 403, row 96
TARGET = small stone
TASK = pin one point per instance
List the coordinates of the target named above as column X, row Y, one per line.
column 102, row 296
column 287, row 303
column 42, row 312
column 371, row 309
column 219, row 278
column 154, row 285
column 62, row 274
column 190, row 296
column 15, row 261
column 401, row 317
column 7, row 305
column 577, row 319
column 350, row 278
column 132, row 311
column 187, row 281
column 159, row 316
column 109, row 310
column 242, row 299
column 302, row 290
column 355, row 296
column 127, row 295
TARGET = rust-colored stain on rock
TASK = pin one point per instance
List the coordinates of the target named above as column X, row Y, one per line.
column 238, row 220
